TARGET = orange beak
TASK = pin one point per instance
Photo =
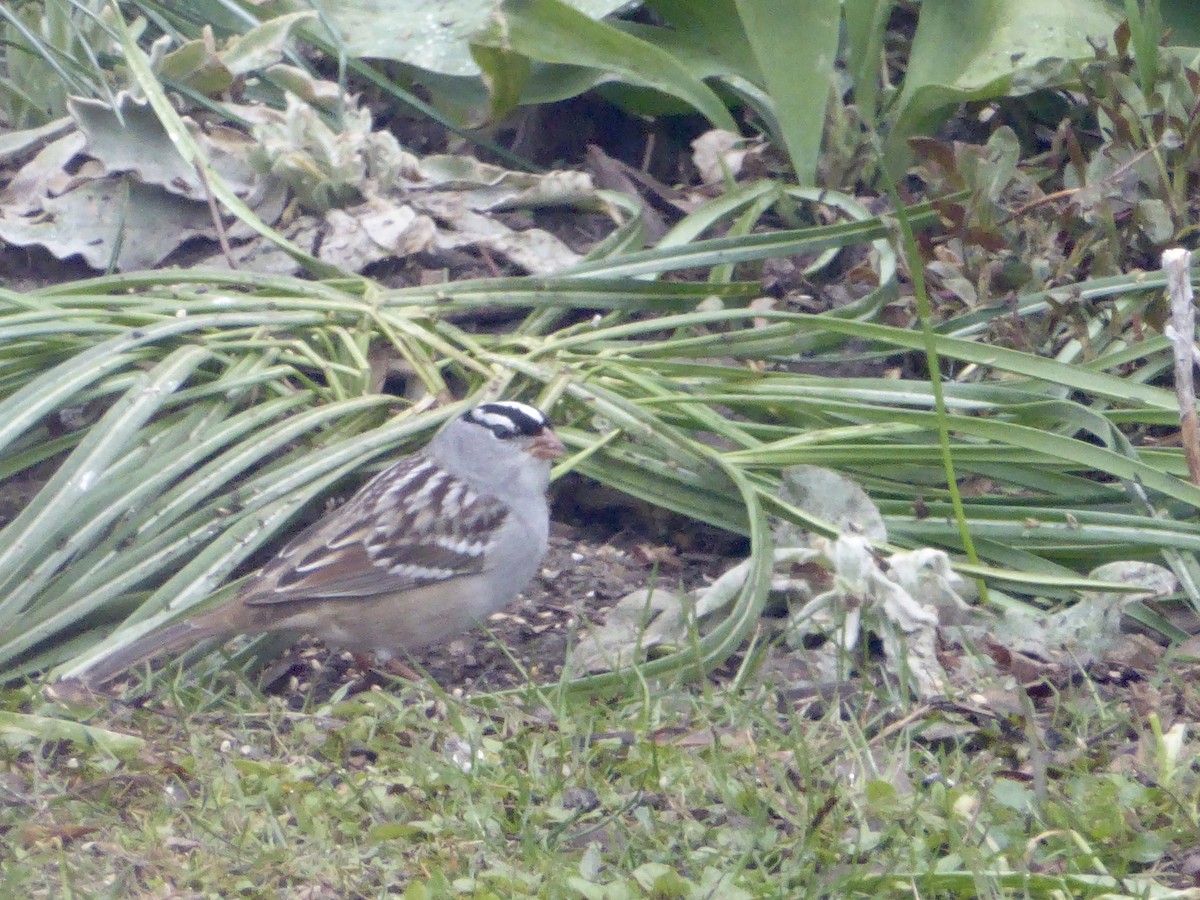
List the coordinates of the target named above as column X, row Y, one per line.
column 547, row 445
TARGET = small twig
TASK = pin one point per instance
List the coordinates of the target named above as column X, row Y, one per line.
column 222, row 238
column 916, row 715
column 1069, row 192
column 1034, row 204
column 648, row 152
column 1181, row 332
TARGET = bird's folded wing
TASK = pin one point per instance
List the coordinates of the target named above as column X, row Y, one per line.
column 413, row 525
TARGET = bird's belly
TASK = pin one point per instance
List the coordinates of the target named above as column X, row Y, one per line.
column 394, row 626
column 397, row 624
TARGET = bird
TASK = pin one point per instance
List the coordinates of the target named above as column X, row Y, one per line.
column 435, row 543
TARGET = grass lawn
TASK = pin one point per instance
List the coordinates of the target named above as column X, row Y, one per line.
column 710, row 790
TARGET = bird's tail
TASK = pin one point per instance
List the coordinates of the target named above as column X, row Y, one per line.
column 175, row 637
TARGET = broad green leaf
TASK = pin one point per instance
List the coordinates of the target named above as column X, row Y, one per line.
column 795, row 46
column 429, row 34
column 551, row 31
column 989, row 48
column 866, row 25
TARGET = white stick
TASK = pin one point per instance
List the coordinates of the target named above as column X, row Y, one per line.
column 1181, row 332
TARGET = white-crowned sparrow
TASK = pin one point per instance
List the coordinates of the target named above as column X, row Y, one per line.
column 440, row 540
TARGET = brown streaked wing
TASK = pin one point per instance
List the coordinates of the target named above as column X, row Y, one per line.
column 376, row 545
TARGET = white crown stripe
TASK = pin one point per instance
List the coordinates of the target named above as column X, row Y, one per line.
column 507, row 418
column 516, row 409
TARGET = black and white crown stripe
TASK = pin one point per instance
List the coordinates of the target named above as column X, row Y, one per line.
column 508, row 418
